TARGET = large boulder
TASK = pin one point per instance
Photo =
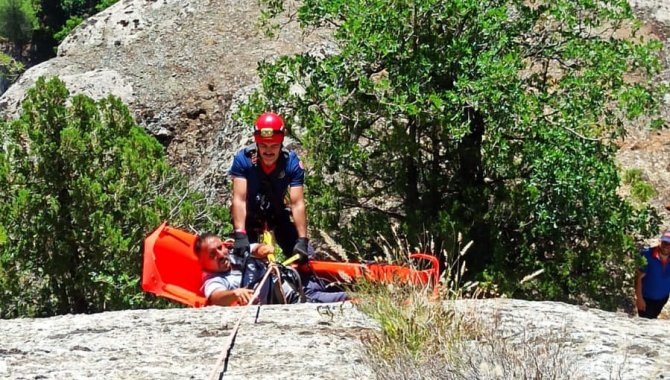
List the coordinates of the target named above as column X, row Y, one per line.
column 324, row 342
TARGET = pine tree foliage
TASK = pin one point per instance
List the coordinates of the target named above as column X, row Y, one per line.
column 81, row 185
column 17, row 22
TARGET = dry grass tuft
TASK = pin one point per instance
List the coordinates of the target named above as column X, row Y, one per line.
column 432, row 340
column 420, row 339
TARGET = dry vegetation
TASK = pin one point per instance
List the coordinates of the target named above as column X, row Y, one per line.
column 420, row 339
column 424, row 338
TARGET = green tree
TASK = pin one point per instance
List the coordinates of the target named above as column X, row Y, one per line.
column 69, row 26
column 77, row 11
column 10, row 69
column 81, row 185
column 17, row 22
column 491, row 118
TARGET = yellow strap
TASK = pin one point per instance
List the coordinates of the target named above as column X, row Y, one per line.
column 291, row 259
column 267, row 239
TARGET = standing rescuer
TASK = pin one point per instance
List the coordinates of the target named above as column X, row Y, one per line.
column 262, row 174
column 652, row 285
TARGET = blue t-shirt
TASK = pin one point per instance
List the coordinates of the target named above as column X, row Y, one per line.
column 288, row 173
column 656, row 281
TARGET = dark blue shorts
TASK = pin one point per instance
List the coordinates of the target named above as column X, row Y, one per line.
column 654, row 308
column 317, row 292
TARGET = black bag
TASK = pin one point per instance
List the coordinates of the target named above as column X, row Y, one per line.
column 290, row 290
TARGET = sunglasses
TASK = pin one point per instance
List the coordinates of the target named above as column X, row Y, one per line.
column 268, row 132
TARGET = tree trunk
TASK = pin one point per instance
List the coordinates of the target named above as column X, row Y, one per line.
column 472, row 194
column 412, row 180
column 433, row 203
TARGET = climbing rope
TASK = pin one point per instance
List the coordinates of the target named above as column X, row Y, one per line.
column 225, row 353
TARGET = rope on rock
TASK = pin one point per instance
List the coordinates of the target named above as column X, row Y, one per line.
column 225, row 353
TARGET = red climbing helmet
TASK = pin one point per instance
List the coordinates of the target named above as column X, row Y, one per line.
column 269, row 128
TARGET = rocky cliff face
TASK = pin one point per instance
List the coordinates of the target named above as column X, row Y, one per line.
column 317, row 341
column 650, row 150
column 181, row 66
column 178, row 65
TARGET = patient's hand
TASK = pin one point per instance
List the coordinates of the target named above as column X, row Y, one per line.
column 264, row 250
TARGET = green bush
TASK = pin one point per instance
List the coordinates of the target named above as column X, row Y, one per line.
column 80, row 187
column 491, row 118
column 632, row 175
column 641, row 190
column 70, row 24
column 104, row 4
column 10, row 69
column 17, row 22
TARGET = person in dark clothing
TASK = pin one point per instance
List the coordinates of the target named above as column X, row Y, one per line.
column 652, row 285
column 264, row 174
column 268, row 194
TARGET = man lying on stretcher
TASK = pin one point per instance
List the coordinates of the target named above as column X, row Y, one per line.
column 226, row 283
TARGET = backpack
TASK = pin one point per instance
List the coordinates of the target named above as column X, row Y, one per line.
column 291, row 290
column 283, row 290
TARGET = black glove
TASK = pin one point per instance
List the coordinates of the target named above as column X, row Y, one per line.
column 241, row 245
column 300, row 248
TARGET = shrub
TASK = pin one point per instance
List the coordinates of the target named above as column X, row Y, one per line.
column 10, row 69
column 494, row 118
column 631, row 175
column 69, row 26
column 641, row 190
column 80, row 186
column 17, row 22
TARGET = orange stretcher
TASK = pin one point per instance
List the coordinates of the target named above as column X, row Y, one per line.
column 171, row 269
